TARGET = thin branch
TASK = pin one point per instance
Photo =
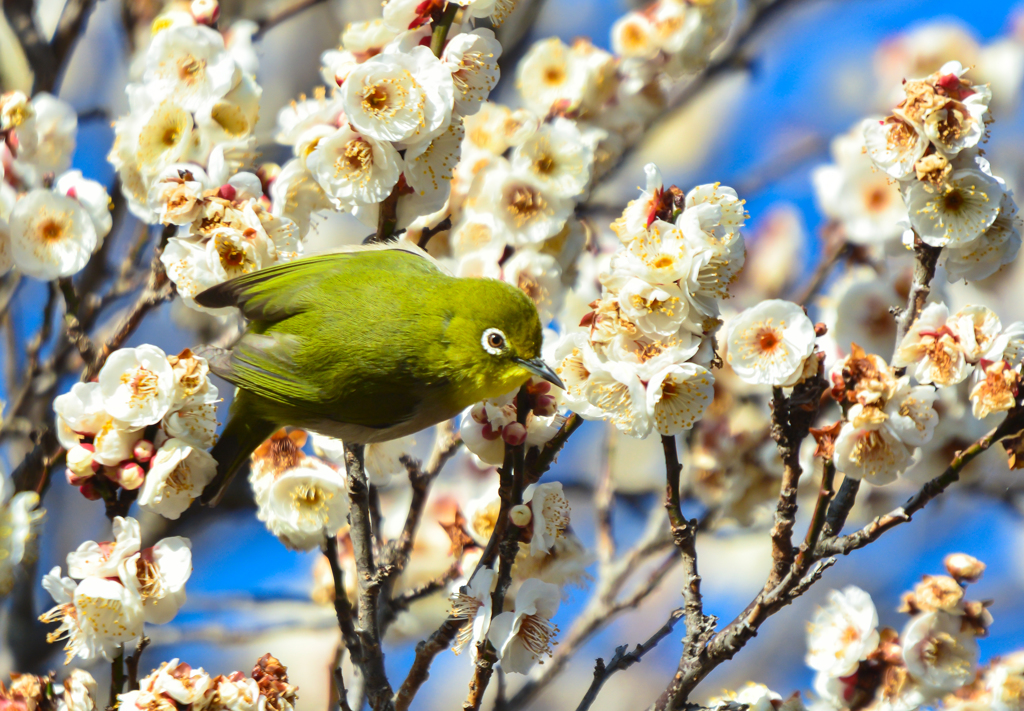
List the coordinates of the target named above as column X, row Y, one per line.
column 283, row 15
column 428, row 232
column 511, row 493
column 371, row 657
column 37, row 50
column 927, row 258
column 116, row 678
column 623, row 659
column 133, row 664
column 342, row 605
column 836, row 249
column 839, row 509
column 70, row 29
column 426, row 650
column 604, row 503
column 1013, row 424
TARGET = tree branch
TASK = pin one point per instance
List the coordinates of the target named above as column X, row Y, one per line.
column 623, row 660
column 371, row 657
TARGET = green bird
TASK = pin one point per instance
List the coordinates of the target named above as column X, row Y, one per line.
column 365, row 345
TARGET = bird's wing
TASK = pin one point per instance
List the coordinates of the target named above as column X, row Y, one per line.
column 285, row 289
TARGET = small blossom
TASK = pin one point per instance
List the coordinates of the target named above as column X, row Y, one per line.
column 550, row 511
column 190, row 64
column 102, row 560
column 895, row 146
column 137, row 385
column 769, row 343
column 524, row 636
column 302, row 502
column 557, row 157
column 937, row 652
column 51, row 235
column 158, row 575
column 931, row 350
column 177, row 475
column 354, row 169
column 984, row 256
column 996, row 390
column 964, row 568
column 472, row 603
column 472, row 57
column 843, row 634
column 958, row 213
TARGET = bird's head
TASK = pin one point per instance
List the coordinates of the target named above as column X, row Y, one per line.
column 494, row 342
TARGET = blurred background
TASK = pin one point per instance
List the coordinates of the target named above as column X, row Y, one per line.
column 811, row 74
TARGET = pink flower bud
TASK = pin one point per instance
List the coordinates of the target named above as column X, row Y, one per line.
column 130, row 475
column 143, row 451
column 479, row 413
column 514, row 433
column 88, row 490
column 546, row 405
column 75, row 479
column 205, row 12
column 72, row 193
column 489, row 433
column 520, row 515
column 540, row 388
column 227, row 192
column 80, row 461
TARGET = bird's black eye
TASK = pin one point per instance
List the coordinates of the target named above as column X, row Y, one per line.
column 493, row 341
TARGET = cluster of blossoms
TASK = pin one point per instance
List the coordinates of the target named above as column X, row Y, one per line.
column 114, row 588
column 52, row 219
column 643, row 360
column 20, row 521
column 144, row 426
column 42, row 693
column 859, row 666
column 182, row 151
column 930, row 145
column 550, row 557
column 885, row 418
column 489, row 425
column 176, row 685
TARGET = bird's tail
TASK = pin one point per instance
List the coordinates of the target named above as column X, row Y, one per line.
column 242, row 435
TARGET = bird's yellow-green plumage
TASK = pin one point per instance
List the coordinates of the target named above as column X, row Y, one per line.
column 366, row 345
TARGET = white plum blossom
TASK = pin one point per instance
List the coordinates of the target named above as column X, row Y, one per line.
column 102, row 560
column 354, row 169
column 550, row 517
column 768, row 344
column 472, row 57
column 959, row 212
column 678, row 396
column 938, row 652
column 303, row 501
column 525, row 213
column 843, row 633
column 51, row 235
column 137, row 385
column 895, row 146
column 96, row 615
column 557, row 157
column 984, row 256
column 190, row 64
column 158, row 576
column 176, row 477
column 20, row 523
column 524, row 636
column 931, row 350
column 472, row 602
column 864, row 200
column 399, row 96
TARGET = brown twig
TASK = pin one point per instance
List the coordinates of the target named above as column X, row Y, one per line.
column 511, row 493
column 428, row 232
column 927, row 258
column 342, row 605
column 283, row 15
column 133, row 664
column 426, row 650
column 1013, row 424
column 623, row 659
column 116, row 678
column 371, row 657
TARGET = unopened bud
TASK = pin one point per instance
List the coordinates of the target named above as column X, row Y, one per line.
column 143, row 451
column 75, row 479
column 130, row 475
column 479, row 413
column 227, row 192
column 80, row 462
column 545, row 406
column 88, row 490
column 205, row 12
column 539, row 387
column 820, row 329
column 489, row 433
column 520, row 515
column 964, row 568
column 514, row 434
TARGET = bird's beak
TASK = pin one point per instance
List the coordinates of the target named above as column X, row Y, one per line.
column 542, row 370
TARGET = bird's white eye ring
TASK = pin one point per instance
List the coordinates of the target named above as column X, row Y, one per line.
column 493, row 341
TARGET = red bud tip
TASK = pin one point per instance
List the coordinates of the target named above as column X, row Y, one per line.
column 88, row 490
column 546, row 405
column 479, row 413
column 227, row 192
column 514, row 434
